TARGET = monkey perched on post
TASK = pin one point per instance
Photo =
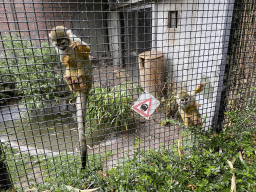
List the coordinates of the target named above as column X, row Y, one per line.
column 75, row 56
column 188, row 106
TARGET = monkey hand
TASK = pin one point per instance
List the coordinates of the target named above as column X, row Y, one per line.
column 83, row 50
column 77, row 83
column 82, row 82
column 74, row 45
column 72, row 82
column 68, row 80
column 68, row 61
column 65, row 60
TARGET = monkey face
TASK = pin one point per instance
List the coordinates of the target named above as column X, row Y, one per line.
column 60, row 37
column 62, row 44
column 185, row 100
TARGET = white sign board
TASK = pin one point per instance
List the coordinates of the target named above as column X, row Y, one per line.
column 146, row 105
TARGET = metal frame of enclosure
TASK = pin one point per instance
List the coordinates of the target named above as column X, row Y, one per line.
column 143, row 52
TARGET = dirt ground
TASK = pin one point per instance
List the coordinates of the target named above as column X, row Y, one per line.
column 150, row 133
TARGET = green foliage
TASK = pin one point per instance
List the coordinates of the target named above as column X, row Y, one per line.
column 29, row 69
column 202, row 165
column 58, row 171
column 110, row 109
column 171, row 121
column 17, row 163
column 67, row 171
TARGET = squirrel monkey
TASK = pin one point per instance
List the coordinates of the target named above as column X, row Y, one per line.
column 75, row 56
column 188, row 106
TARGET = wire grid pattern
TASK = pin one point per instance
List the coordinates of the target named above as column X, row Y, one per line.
column 196, row 41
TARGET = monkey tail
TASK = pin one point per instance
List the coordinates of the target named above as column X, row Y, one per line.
column 80, row 107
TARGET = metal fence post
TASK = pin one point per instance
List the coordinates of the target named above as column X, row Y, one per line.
column 5, row 178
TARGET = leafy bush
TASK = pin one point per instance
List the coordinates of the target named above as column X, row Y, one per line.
column 199, row 166
column 110, row 109
column 29, row 69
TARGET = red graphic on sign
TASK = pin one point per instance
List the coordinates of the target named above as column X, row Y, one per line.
column 142, row 108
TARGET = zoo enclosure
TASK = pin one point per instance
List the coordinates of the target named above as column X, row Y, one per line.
column 201, row 41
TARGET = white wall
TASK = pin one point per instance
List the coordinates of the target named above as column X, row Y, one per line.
column 196, row 50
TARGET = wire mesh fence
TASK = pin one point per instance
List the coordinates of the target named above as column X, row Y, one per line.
column 137, row 75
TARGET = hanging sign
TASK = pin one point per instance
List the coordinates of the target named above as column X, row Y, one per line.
column 146, row 105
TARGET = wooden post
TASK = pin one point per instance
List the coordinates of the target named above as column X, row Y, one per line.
column 151, row 68
column 80, row 113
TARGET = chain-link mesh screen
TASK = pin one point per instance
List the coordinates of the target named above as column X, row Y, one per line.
column 144, row 70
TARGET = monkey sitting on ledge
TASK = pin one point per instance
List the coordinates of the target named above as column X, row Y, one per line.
column 188, row 106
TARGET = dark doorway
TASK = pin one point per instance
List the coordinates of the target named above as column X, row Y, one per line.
column 136, row 37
